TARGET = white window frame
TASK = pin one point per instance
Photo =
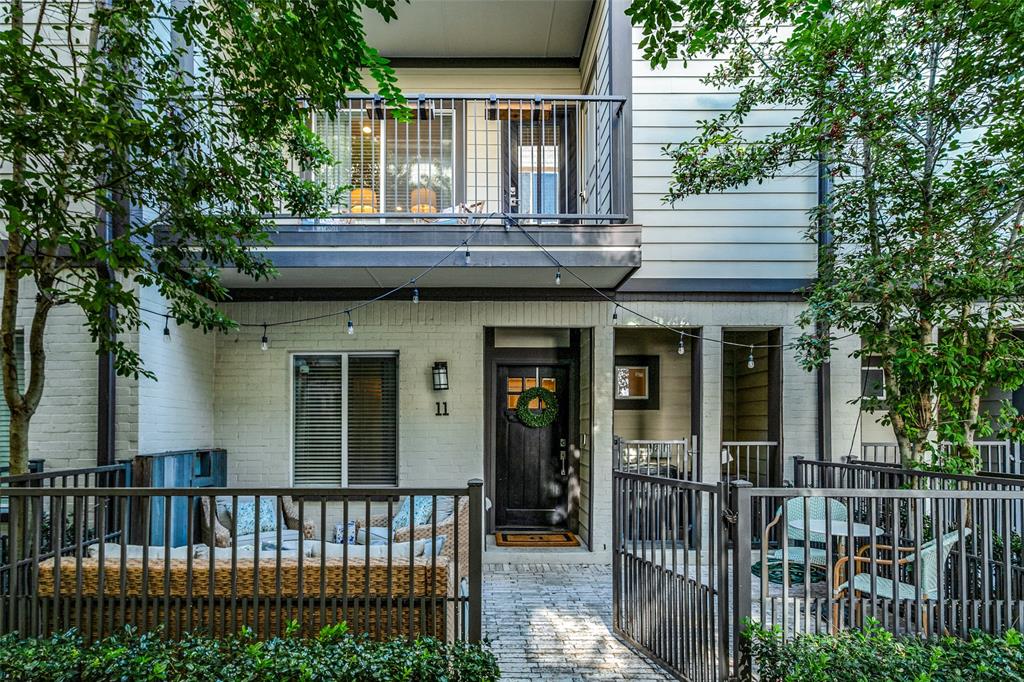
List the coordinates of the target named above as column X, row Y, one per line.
column 344, row 355
column 864, row 382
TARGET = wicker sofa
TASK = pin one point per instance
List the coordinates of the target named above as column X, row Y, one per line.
column 227, row 589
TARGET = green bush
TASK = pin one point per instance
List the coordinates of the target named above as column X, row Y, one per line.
column 333, row 656
column 874, row 654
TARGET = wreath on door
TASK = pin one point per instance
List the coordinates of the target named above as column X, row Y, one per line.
column 533, row 419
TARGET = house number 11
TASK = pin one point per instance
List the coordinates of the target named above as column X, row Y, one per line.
column 442, row 409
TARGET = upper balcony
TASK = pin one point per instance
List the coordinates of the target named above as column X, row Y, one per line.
column 483, row 168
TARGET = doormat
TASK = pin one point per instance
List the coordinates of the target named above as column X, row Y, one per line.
column 541, row 539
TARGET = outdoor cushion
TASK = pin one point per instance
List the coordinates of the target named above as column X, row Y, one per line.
column 287, row 535
column 884, row 588
column 246, row 522
column 112, row 551
column 434, row 546
column 420, row 515
column 445, row 508
column 378, row 535
column 816, row 556
column 399, row 550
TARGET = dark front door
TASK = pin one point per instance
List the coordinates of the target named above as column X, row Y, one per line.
column 532, row 465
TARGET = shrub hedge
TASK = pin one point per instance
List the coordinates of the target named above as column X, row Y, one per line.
column 873, row 654
column 333, row 656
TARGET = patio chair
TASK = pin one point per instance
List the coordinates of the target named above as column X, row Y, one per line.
column 922, row 558
column 802, row 553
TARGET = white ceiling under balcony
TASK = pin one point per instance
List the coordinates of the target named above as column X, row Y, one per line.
column 482, row 28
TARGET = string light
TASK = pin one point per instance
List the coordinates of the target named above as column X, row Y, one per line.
column 167, row 329
column 264, row 342
column 558, row 276
column 510, row 221
column 415, row 295
column 750, row 359
column 682, row 345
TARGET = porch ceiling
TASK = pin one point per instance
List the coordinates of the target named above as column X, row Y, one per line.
column 482, row 28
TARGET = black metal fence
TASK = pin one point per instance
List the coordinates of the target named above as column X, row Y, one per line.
column 921, row 562
column 262, row 558
column 922, row 553
column 669, row 581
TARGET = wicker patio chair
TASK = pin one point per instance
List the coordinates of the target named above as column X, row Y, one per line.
column 892, row 589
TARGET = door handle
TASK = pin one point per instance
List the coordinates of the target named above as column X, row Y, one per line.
column 561, row 456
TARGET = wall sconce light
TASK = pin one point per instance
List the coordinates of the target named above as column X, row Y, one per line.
column 440, row 374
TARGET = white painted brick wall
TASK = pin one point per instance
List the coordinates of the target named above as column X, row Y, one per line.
column 222, row 390
column 63, row 429
column 176, row 409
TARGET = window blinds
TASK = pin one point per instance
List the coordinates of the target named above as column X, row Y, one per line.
column 325, row 386
column 373, row 420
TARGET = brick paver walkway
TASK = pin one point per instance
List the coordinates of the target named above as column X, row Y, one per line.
column 553, row 622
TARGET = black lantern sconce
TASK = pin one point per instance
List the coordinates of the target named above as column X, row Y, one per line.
column 440, row 374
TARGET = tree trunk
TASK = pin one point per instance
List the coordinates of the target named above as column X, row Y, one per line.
column 19, row 440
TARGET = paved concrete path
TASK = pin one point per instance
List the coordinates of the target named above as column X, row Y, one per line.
column 554, row 622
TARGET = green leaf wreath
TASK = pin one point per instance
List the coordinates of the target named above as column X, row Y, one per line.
column 532, row 419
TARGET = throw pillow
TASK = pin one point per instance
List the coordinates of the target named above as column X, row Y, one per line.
column 401, row 517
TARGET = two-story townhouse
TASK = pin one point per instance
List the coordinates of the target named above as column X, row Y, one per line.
column 517, row 222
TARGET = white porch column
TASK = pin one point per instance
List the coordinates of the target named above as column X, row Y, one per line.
column 601, row 468
column 711, row 410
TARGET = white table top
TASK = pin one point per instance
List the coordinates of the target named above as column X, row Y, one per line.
column 836, row 528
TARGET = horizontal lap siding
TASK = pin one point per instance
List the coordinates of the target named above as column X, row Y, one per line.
column 752, row 232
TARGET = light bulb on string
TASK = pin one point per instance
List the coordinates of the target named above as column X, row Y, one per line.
column 615, row 314
column 682, row 344
column 264, row 342
column 469, row 261
column 750, row 359
column 558, row 276
column 351, row 327
column 415, row 295
column 167, row 329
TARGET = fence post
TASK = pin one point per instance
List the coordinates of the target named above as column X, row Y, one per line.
column 798, row 471
column 725, row 519
column 741, row 578
column 616, row 525
column 476, row 536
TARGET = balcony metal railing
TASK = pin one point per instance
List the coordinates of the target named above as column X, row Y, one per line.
column 462, row 159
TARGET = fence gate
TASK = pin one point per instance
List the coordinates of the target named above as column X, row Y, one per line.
column 670, row 569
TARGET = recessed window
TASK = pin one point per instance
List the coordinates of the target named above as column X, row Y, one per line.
column 631, row 383
column 636, row 382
